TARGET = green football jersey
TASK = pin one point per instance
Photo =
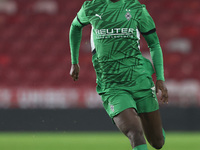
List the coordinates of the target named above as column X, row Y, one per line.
column 116, row 29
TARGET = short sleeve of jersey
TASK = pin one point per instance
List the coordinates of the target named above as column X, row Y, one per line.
column 81, row 16
column 146, row 24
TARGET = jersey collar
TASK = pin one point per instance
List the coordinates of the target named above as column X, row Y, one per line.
column 116, row 3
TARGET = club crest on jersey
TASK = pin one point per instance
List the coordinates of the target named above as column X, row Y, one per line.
column 128, row 15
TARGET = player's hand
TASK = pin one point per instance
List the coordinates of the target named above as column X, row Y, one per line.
column 160, row 85
column 74, row 72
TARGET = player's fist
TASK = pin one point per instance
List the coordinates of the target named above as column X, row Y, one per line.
column 74, row 72
column 160, row 85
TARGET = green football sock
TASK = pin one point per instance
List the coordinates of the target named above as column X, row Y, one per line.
column 141, row 147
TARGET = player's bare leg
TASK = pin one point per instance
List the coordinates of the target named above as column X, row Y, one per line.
column 129, row 123
column 152, row 126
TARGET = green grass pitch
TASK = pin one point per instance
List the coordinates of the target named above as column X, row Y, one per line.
column 89, row 141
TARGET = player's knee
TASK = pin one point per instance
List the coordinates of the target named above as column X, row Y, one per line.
column 135, row 135
column 158, row 143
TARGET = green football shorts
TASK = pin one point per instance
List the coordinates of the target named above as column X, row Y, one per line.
column 141, row 96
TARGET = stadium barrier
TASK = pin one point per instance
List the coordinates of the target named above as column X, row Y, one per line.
column 174, row 119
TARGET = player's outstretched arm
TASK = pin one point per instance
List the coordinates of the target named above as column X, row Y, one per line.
column 147, row 27
column 157, row 57
column 75, row 36
column 75, row 40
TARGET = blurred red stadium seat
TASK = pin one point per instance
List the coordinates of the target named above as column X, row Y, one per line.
column 36, row 47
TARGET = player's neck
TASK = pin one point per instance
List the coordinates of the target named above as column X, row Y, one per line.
column 114, row 1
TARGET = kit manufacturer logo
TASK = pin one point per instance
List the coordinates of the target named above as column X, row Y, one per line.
column 97, row 15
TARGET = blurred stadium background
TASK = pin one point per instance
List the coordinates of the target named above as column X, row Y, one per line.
column 37, row 93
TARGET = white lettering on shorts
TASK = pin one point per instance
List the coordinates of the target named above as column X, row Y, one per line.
column 112, row 108
column 153, row 92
